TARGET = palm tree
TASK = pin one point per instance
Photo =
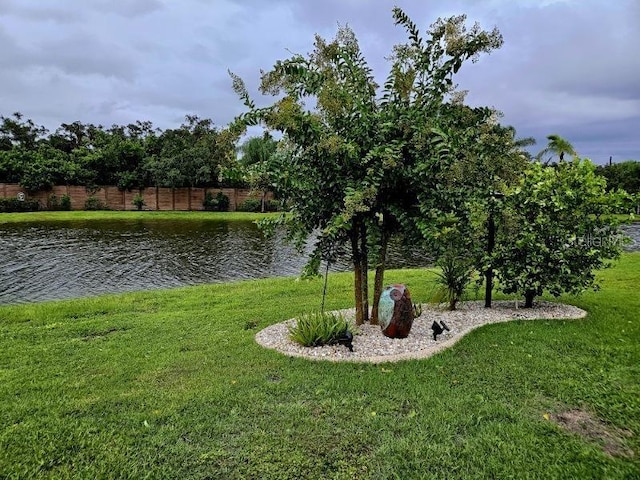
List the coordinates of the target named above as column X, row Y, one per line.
column 557, row 146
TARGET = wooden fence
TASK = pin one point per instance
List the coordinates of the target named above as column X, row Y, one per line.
column 155, row 198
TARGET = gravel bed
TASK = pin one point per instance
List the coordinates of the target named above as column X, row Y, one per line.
column 370, row 345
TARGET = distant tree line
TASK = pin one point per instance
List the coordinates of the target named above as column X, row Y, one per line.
column 196, row 154
column 623, row 175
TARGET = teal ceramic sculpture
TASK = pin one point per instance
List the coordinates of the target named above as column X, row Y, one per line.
column 395, row 311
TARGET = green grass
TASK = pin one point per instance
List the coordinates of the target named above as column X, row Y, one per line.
column 171, row 384
column 626, row 218
column 126, row 215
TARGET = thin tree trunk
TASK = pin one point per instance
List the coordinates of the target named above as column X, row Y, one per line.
column 357, row 274
column 379, row 280
column 528, row 299
column 364, row 269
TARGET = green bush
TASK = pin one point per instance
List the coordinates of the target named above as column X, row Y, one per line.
column 250, row 205
column 65, row 203
column 318, row 328
column 94, row 203
column 273, row 206
column 452, row 280
column 54, row 203
column 14, row 205
column 138, row 201
column 219, row 203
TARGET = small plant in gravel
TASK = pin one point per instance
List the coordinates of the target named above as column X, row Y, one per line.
column 452, row 280
column 318, row 328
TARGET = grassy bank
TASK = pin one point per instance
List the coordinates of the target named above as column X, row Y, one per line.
column 171, row 384
column 630, row 218
column 128, row 215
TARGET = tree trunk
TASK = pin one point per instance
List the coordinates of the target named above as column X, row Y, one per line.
column 528, row 299
column 379, row 280
column 364, row 269
column 357, row 273
column 491, row 242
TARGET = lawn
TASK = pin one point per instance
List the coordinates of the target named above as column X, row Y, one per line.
column 171, row 384
column 127, row 215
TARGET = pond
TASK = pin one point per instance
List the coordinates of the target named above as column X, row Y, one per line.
column 48, row 261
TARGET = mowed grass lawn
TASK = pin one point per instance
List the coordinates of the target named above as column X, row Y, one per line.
column 171, row 384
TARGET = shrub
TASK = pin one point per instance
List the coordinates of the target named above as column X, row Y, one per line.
column 318, row 328
column 138, row 201
column 250, row 205
column 219, row 203
column 453, row 278
column 65, row 203
column 94, row 203
column 561, row 231
column 52, row 202
column 8, row 205
column 273, row 206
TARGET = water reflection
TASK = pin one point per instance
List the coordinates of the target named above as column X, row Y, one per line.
column 73, row 259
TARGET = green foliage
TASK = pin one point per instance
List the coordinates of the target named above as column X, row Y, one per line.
column 14, row 205
column 360, row 159
column 94, row 203
column 250, row 205
column 557, row 146
column 54, row 203
column 623, row 175
column 138, row 201
column 258, row 150
column 318, row 328
column 273, row 205
column 219, row 203
column 558, row 229
column 453, row 278
column 65, row 203
column 134, row 156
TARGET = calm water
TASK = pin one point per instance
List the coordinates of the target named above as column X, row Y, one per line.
column 75, row 259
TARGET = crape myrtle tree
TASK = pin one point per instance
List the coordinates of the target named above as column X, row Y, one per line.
column 557, row 230
column 359, row 154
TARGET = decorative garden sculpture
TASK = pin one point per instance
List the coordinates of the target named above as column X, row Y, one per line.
column 438, row 328
column 395, row 311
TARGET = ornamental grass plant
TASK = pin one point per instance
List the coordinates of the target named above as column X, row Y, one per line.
column 318, row 328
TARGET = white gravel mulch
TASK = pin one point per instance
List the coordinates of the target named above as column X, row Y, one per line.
column 370, row 345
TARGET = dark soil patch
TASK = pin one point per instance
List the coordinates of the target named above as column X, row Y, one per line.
column 610, row 439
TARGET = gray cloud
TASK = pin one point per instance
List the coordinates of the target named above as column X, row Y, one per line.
column 34, row 11
column 567, row 66
column 127, row 8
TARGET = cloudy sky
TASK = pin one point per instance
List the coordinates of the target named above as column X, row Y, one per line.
column 570, row 67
